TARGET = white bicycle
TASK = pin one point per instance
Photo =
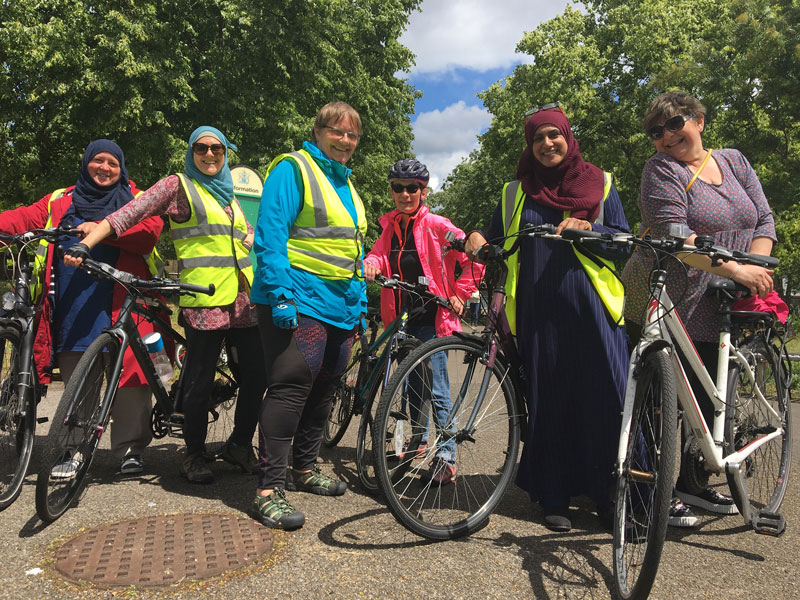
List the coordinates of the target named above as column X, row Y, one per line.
column 749, row 439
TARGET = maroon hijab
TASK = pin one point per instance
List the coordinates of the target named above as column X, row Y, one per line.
column 573, row 184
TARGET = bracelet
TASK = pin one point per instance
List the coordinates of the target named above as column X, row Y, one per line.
column 735, row 271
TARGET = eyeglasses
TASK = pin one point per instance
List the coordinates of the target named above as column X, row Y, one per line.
column 553, row 134
column 411, row 188
column 548, row 106
column 201, row 149
column 350, row 135
column 676, row 123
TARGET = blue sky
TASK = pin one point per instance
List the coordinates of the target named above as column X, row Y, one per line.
column 462, row 47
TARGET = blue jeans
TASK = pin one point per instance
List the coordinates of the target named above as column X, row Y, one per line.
column 439, row 394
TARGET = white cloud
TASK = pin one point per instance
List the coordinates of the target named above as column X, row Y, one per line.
column 473, row 33
column 443, row 138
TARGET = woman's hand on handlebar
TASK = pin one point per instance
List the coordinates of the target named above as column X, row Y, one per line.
column 472, row 245
column 456, row 304
column 76, row 254
column 94, row 233
column 370, row 272
column 572, row 223
column 758, row 279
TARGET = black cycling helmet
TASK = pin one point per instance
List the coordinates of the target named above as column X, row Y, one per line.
column 409, row 168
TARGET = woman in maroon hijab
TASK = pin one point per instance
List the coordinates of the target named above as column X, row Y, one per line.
column 570, row 338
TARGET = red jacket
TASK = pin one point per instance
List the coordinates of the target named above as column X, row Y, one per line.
column 134, row 243
column 429, row 237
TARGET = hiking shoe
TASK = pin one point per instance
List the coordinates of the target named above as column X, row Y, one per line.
column 419, row 454
column 711, row 500
column 195, row 469
column 442, row 472
column 131, row 464
column 241, row 456
column 681, row 515
column 315, row 482
column 67, row 467
column 276, row 512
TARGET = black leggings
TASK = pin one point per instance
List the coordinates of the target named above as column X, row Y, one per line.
column 302, row 368
column 204, row 347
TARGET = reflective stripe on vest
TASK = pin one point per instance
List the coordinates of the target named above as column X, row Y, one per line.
column 602, row 276
column 601, row 270
column 40, row 260
column 323, row 239
column 209, row 247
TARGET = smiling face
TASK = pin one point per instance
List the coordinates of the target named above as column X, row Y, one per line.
column 685, row 145
column 104, row 169
column 407, row 202
column 335, row 140
column 549, row 146
column 209, row 163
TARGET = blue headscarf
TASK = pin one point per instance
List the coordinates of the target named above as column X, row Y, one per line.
column 92, row 202
column 220, row 185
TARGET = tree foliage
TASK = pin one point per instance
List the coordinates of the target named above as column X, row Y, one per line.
column 147, row 72
column 605, row 65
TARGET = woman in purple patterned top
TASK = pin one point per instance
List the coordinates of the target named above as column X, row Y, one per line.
column 715, row 194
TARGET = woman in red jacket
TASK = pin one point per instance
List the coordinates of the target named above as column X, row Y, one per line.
column 78, row 307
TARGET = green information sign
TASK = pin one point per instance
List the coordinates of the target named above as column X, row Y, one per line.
column 247, row 187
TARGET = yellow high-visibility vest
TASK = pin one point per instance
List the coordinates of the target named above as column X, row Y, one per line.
column 323, row 239
column 210, row 247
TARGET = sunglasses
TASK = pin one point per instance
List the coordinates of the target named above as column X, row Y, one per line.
column 553, row 134
column 548, row 106
column 411, row 188
column 676, row 123
column 201, row 149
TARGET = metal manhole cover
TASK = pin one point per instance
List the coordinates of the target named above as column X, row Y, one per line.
column 163, row 550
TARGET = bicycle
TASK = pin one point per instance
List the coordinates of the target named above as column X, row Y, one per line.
column 749, row 439
column 488, row 410
column 84, row 411
column 370, row 367
column 20, row 390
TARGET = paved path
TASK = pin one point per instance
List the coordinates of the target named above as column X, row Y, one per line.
column 351, row 547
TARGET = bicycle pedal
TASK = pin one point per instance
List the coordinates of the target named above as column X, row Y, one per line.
column 41, row 420
column 767, row 523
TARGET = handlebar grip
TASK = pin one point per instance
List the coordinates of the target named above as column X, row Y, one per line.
column 200, row 289
column 579, row 234
column 761, row 260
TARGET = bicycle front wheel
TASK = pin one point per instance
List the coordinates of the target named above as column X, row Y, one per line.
column 75, row 430
column 446, row 436
column 17, row 419
column 748, row 419
column 644, row 486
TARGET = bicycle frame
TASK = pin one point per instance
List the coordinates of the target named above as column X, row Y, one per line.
column 662, row 330
column 396, row 328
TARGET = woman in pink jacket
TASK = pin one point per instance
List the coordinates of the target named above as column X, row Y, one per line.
column 411, row 245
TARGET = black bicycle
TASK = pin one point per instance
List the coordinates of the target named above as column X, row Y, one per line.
column 83, row 414
column 372, row 364
column 20, row 390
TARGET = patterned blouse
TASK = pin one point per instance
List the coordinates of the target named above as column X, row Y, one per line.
column 733, row 213
column 167, row 197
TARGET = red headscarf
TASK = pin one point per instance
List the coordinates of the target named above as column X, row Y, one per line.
column 573, row 184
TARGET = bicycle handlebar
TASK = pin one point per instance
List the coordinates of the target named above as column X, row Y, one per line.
column 415, row 288
column 52, row 235
column 101, row 270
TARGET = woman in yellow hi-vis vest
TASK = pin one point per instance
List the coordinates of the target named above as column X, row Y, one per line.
column 568, row 321
column 212, row 240
column 310, row 296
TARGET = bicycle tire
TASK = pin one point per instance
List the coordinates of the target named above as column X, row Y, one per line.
column 365, row 459
column 75, row 430
column 766, row 471
column 221, row 414
column 485, row 456
column 17, row 418
column 343, row 401
column 644, row 486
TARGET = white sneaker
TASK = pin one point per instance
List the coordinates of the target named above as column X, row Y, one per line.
column 711, row 500
column 681, row 515
column 68, row 467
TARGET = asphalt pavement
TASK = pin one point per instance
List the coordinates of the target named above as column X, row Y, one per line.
column 351, row 546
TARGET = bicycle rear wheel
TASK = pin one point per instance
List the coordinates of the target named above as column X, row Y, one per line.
column 747, row 419
column 75, row 430
column 343, row 401
column 365, row 459
column 17, row 419
column 221, row 413
column 420, row 489
column 644, row 486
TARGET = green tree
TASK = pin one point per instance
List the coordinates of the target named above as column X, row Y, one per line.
column 146, row 73
column 605, row 65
